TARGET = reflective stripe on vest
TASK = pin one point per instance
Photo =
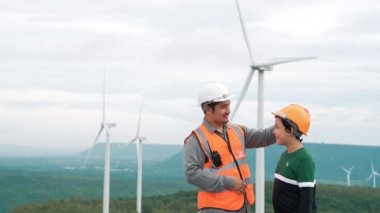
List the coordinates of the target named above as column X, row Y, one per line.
column 226, row 199
column 229, row 166
column 246, row 181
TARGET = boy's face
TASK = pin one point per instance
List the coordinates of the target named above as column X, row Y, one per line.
column 281, row 135
column 221, row 113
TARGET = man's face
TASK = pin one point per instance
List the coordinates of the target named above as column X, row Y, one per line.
column 221, row 113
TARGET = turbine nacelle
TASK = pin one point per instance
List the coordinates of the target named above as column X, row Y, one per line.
column 348, row 171
column 137, row 139
column 108, row 124
column 262, row 68
column 111, row 124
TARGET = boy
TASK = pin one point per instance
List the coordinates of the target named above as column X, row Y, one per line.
column 294, row 186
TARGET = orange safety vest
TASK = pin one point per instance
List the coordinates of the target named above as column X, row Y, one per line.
column 227, row 199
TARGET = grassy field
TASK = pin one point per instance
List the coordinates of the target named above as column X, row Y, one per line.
column 18, row 188
column 330, row 199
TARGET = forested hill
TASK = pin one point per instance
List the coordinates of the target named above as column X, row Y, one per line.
column 328, row 159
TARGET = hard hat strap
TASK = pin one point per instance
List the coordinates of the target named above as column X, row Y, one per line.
column 296, row 131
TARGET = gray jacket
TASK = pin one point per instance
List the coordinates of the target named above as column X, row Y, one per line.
column 194, row 158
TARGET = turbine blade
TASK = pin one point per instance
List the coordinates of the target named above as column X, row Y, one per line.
column 133, row 140
column 372, row 166
column 139, row 121
column 345, row 169
column 284, row 61
column 242, row 93
column 244, row 33
column 92, row 147
column 370, row 176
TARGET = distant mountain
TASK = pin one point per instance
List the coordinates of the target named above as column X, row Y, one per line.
column 328, row 161
column 330, row 157
column 9, row 150
column 169, row 158
column 151, row 152
column 123, row 157
column 118, row 151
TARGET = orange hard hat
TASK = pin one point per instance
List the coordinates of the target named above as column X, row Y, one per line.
column 298, row 115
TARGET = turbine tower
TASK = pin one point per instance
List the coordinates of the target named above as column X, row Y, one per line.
column 373, row 175
column 348, row 173
column 260, row 164
column 138, row 140
column 104, row 126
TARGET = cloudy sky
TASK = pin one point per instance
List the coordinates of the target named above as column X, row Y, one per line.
column 53, row 53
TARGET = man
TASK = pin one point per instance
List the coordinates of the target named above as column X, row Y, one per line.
column 214, row 155
column 294, row 185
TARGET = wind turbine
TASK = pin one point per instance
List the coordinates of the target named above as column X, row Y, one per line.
column 348, row 172
column 373, row 175
column 138, row 140
column 104, row 126
column 260, row 164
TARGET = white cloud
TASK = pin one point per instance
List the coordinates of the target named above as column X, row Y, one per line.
column 308, row 20
column 111, row 26
column 52, row 55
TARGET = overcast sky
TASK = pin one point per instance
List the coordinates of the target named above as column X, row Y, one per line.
column 52, row 56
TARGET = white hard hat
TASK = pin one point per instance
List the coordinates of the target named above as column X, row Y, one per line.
column 213, row 92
